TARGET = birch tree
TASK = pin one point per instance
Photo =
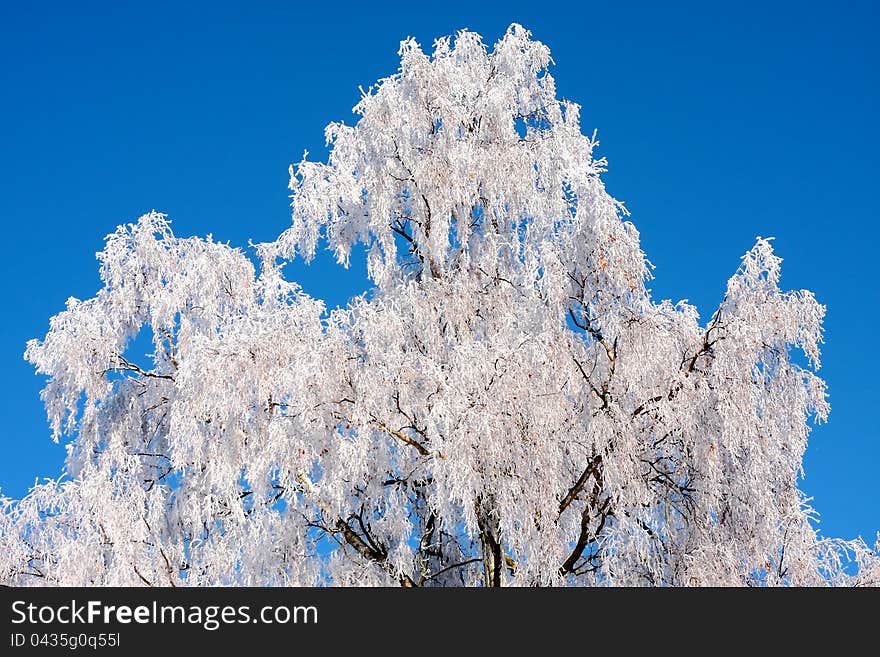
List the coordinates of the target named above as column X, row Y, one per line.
column 506, row 405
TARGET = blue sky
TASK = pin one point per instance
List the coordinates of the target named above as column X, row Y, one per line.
column 719, row 124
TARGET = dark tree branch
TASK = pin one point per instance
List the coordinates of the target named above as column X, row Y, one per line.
column 591, row 469
column 586, row 536
column 493, row 562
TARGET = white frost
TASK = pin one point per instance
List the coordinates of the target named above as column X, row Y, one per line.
column 508, row 405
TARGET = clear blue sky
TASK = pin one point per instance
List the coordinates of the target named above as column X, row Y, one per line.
column 719, row 124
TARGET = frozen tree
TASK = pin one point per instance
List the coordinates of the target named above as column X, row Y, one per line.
column 507, row 405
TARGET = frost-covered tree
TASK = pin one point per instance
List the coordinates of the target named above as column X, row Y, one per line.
column 507, row 405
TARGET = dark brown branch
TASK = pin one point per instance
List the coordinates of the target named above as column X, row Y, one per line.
column 398, row 228
column 448, row 568
column 123, row 365
column 371, row 550
column 168, row 570
column 368, row 551
column 587, row 326
column 420, row 448
column 583, row 372
column 591, row 469
column 24, row 572
column 359, row 544
column 493, row 562
column 143, row 579
column 586, row 536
